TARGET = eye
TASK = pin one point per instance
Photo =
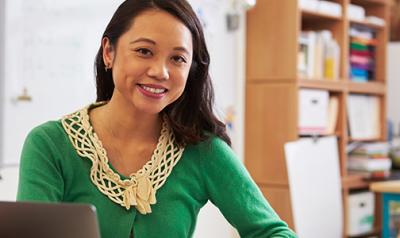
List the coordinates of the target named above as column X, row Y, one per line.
column 144, row 52
column 179, row 59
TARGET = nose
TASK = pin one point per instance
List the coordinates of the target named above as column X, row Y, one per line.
column 158, row 70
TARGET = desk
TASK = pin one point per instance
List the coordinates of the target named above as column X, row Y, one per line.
column 390, row 191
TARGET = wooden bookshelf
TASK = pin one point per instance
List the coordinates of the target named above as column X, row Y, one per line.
column 273, row 84
column 335, row 86
column 373, row 88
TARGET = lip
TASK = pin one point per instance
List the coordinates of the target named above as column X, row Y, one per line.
column 150, row 94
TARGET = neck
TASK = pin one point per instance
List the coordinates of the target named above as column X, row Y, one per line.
column 125, row 123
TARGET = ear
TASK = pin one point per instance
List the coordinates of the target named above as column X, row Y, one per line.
column 108, row 52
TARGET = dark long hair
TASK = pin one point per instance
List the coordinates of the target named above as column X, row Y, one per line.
column 191, row 116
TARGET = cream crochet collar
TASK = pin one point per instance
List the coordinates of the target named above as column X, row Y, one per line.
column 140, row 188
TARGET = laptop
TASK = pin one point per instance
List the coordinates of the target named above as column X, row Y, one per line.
column 48, row 220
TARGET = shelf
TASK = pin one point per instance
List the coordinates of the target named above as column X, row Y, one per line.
column 337, row 134
column 330, row 85
column 365, row 140
column 310, row 15
column 376, row 88
column 367, row 24
column 353, row 181
column 370, row 2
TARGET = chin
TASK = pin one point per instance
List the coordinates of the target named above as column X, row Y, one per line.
column 150, row 109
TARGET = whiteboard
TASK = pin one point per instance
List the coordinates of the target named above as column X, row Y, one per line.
column 315, row 187
column 50, row 50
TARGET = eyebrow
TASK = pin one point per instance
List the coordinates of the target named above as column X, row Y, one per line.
column 182, row 49
column 142, row 39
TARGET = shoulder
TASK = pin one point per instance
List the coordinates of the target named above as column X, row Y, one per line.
column 213, row 153
column 213, row 146
column 47, row 130
column 46, row 136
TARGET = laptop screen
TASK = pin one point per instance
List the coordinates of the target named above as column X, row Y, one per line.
column 48, row 220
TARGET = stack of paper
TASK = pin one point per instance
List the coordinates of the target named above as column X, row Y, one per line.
column 373, row 150
column 362, row 54
column 369, row 165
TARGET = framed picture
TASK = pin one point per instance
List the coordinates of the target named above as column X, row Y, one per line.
column 395, row 21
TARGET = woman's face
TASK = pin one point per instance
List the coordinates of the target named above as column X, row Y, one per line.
column 150, row 62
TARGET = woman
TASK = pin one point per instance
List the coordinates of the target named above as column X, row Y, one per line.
column 150, row 153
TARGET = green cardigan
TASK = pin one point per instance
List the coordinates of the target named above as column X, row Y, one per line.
column 51, row 170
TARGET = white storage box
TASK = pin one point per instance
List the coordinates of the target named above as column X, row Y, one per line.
column 313, row 111
column 361, row 213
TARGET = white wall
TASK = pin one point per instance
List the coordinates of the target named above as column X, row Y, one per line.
column 2, row 45
column 8, row 183
column 393, row 87
column 49, row 50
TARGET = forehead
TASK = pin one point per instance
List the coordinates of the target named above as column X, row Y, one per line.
column 160, row 26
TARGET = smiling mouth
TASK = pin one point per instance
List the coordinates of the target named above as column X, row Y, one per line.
column 153, row 90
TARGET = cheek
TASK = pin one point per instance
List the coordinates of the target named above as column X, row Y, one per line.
column 126, row 74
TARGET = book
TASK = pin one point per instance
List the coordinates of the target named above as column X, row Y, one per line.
column 368, row 164
column 376, row 149
column 333, row 111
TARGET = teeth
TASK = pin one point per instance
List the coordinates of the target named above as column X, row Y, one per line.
column 154, row 90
